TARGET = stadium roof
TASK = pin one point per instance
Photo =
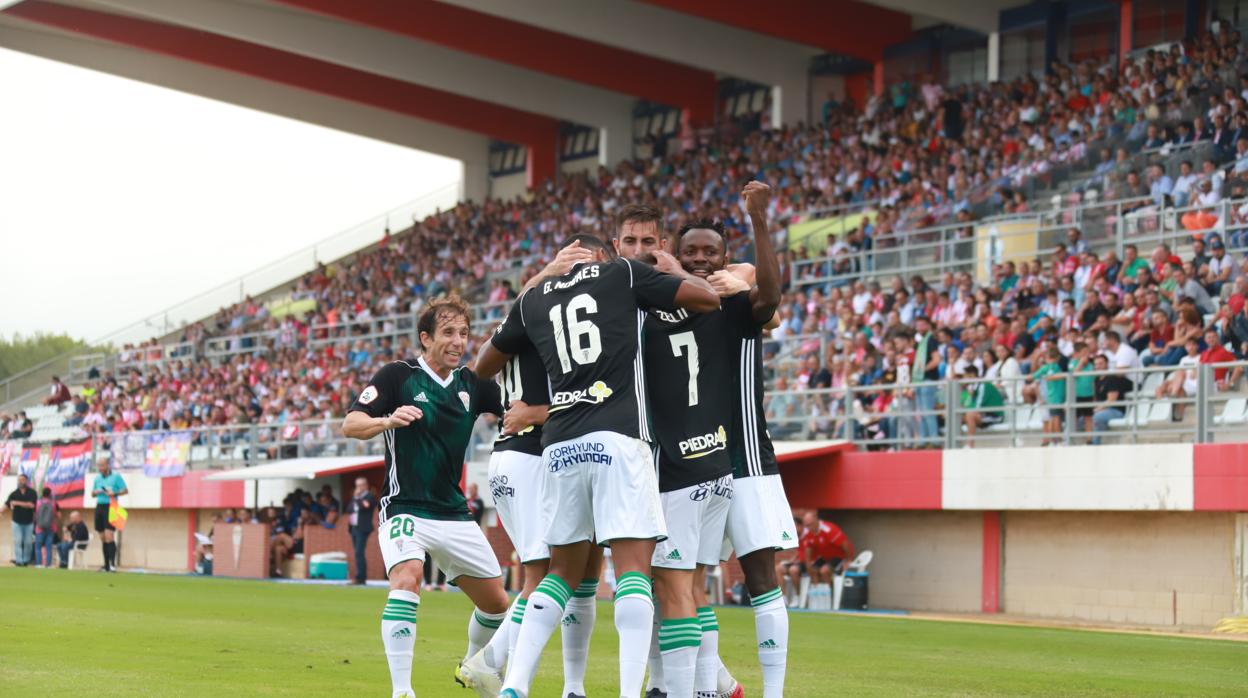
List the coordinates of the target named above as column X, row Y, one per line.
column 451, row 76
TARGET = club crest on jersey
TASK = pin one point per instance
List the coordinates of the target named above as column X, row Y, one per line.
column 369, row 394
column 678, row 316
column 590, row 272
column 593, row 395
column 464, row 398
column 704, row 444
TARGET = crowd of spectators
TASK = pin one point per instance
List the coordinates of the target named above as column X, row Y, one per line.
column 915, row 155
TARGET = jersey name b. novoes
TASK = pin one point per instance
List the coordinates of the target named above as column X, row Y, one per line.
column 523, row 380
column 425, row 459
column 586, row 326
column 691, row 364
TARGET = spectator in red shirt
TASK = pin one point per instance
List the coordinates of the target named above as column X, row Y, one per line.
column 1216, row 353
column 822, row 548
column 59, row 393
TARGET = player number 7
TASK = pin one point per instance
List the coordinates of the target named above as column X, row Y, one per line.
column 685, row 341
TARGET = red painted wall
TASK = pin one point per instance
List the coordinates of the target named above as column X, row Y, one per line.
column 1221, row 477
column 192, row 491
column 853, row 480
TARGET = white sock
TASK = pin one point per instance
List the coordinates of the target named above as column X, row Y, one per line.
column 541, row 617
column 655, row 660
column 513, row 628
column 482, row 627
column 724, row 682
column 634, row 616
column 771, row 628
column 578, row 626
column 398, row 636
column 679, row 640
column 495, row 651
column 706, row 676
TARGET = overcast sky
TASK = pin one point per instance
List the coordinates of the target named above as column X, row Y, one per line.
column 119, row 199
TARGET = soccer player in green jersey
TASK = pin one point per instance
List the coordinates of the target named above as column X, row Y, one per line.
column 425, row 410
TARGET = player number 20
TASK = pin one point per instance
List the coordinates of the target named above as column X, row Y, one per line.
column 402, row 526
column 581, row 342
column 684, row 343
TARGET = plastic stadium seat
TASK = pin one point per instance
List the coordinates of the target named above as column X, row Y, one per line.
column 1233, row 412
column 1035, row 419
column 1021, row 416
column 1161, row 412
column 1124, row 420
column 1152, row 382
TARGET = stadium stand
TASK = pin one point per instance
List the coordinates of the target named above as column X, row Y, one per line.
column 907, row 208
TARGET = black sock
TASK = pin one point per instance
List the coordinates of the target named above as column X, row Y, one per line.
column 110, row 554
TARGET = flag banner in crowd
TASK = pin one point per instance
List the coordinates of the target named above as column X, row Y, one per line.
column 67, row 472
column 10, row 451
column 167, row 454
column 129, row 451
column 30, row 463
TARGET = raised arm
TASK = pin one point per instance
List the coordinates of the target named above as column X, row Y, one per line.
column 765, row 295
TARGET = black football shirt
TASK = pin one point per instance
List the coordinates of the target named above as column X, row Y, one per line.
column 691, row 360
column 749, row 443
column 523, row 380
column 586, row 326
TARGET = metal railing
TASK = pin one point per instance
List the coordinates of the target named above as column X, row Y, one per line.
column 935, row 252
column 1195, row 407
column 246, row 445
column 229, row 345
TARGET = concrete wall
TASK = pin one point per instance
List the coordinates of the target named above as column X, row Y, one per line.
column 154, row 539
column 508, row 187
column 924, row 560
column 1142, row 568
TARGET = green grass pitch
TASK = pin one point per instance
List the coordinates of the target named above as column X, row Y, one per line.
column 85, row 633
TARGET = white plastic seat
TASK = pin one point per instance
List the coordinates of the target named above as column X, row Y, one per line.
column 1036, row 418
column 1233, row 412
column 1161, row 412
column 1152, row 381
column 1124, row 420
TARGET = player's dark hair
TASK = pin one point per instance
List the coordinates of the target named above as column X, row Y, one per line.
column 439, row 308
column 591, row 243
column 701, row 224
column 638, row 213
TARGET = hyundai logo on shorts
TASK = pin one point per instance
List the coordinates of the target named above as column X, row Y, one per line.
column 576, row 454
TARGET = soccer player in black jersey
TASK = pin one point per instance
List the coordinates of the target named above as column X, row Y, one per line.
column 425, row 408
column 515, row 474
column 599, row 480
column 759, row 519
